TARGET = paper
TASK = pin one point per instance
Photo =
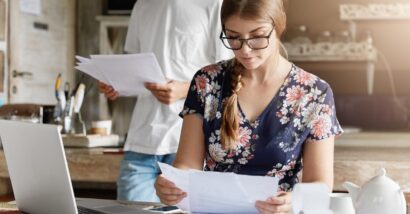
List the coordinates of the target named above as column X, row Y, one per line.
column 311, row 198
column 31, row 7
column 126, row 73
column 218, row 192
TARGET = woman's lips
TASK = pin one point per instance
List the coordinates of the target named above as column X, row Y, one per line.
column 247, row 59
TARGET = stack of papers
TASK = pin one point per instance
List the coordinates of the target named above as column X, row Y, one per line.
column 126, row 73
column 218, row 192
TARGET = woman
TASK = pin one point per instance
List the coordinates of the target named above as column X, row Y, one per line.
column 257, row 114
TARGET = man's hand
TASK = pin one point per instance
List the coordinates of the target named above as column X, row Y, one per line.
column 170, row 92
column 108, row 90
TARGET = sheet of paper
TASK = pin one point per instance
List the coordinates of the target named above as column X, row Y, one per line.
column 310, row 198
column 217, row 192
column 126, row 73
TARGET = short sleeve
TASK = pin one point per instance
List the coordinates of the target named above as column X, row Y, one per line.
column 194, row 102
column 322, row 121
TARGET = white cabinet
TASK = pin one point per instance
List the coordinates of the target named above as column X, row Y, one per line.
column 39, row 47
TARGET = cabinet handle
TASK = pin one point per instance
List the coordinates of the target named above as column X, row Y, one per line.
column 21, row 73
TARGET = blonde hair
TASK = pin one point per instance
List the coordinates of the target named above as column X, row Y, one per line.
column 271, row 10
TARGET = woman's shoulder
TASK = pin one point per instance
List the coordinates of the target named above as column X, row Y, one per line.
column 213, row 71
column 308, row 80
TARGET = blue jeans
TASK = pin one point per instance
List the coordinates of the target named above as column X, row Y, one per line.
column 138, row 173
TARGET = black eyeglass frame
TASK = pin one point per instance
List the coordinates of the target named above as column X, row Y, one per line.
column 267, row 37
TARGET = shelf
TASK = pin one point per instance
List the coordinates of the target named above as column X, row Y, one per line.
column 319, row 52
column 394, row 11
column 336, row 52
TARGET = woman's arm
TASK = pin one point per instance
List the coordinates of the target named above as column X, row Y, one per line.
column 190, row 155
column 318, row 161
column 191, row 149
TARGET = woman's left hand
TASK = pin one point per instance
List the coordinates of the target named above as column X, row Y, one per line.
column 280, row 204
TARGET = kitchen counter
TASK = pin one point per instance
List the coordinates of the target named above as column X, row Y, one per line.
column 98, row 168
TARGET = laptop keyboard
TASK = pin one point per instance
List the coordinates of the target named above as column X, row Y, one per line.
column 83, row 210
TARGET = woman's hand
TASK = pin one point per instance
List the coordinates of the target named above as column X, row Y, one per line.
column 169, row 92
column 108, row 90
column 280, row 204
column 167, row 192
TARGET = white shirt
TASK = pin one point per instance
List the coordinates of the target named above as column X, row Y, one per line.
column 183, row 34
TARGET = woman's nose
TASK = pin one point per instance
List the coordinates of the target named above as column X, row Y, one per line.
column 245, row 48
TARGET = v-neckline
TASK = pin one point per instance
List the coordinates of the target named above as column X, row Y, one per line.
column 284, row 84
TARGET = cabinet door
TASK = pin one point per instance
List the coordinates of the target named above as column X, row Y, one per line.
column 41, row 46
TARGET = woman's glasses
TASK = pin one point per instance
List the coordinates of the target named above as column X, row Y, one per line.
column 255, row 43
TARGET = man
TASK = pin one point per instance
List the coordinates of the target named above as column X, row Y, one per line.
column 183, row 34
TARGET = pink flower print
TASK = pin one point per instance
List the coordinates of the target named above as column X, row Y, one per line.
column 305, row 78
column 244, row 135
column 212, row 70
column 201, row 83
column 294, row 94
column 327, row 110
column 231, row 154
column 320, row 127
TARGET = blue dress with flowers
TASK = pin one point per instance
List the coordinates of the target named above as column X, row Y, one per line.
column 303, row 109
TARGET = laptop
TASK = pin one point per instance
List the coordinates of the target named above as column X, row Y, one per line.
column 39, row 173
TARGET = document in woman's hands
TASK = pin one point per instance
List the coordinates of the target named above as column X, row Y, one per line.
column 219, row 192
column 126, row 73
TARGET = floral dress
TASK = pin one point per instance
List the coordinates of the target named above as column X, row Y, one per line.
column 302, row 109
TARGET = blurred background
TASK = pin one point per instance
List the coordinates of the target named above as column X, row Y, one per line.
column 360, row 47
column 39, row 39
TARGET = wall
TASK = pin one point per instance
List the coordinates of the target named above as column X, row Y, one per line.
column 390, row 37
column 87, row 41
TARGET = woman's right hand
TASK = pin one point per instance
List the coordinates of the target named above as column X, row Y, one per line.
column 108, row 91
column 167, row 192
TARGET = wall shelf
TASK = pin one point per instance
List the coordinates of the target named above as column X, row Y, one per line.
column 394, row 11
column 352, row 51
column 336, row 52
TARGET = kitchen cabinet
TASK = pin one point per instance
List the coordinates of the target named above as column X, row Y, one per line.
column 37, row 47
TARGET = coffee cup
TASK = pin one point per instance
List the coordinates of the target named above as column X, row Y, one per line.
column 341, row 203
column 101, row 127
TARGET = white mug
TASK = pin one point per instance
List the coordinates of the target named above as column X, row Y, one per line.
column 341, row 203
column 102, row 127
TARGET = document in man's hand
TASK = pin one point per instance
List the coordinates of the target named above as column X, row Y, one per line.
column 126, row 73
column 219, row 192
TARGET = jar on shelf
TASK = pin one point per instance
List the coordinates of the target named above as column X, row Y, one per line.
column 324, row 37
column 301, row 36
column 343, row 37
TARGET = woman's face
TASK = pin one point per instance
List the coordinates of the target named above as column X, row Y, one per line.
column 236, row 27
